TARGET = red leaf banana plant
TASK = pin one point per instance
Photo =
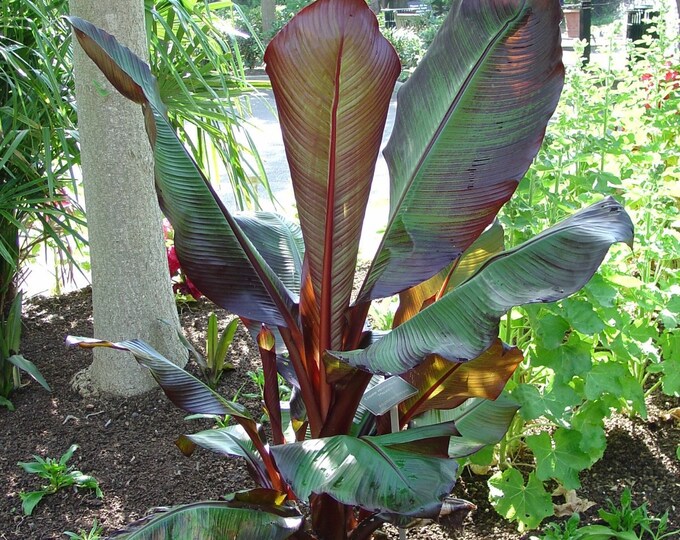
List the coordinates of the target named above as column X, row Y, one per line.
column 469, row 122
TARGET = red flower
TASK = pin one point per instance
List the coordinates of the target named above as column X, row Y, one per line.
column 173, row 261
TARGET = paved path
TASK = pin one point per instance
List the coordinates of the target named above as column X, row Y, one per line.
column 265, row 132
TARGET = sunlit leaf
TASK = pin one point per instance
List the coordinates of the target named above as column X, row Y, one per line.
column 404, row 473
column 215, row 520
column 332, row 132
column 444, row 385
column 460, row 146
column 464, row 323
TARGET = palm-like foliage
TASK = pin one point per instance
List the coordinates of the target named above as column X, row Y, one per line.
column 201, row 75
column 469, row 122
column 38, row 145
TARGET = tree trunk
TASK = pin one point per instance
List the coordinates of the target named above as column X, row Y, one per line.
column 131, row 287
column 268, row 15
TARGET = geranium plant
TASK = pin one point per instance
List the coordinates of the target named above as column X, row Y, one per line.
column 469, row 122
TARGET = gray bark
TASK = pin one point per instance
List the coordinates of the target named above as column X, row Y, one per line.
column 131, row 287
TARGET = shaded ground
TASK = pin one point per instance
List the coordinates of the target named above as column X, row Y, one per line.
column 128, row 444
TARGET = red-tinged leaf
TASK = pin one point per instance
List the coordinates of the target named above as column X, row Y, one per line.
column 415, row 299
column 333, row 74
column 444, row 385
column 182, row 388
column 230, row 441
column 214, row 252
column 211, row 520
column 266, row 343
column 406, row 473
column 464, row 322
column 469, row 122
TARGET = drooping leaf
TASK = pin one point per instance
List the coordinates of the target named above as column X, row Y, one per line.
column 230, row 441
column 412, row 300
column 217, row 520
column 182, row 388
column 480, row 422
column 452, row 168
column 29, row 367
column 332, row 73
column 30, row 499
column 213, row 250
column 464, row 323
column 444, row 385
column 408, row 472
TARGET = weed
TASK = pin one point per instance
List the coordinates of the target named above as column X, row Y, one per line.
column 59, row 476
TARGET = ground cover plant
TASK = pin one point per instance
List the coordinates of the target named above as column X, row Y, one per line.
column 622, row 521
column 59, row 476
column 451, row 170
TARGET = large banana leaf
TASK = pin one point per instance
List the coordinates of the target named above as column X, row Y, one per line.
column 230, row 441
column 217, row 520
column 480, row 422
column 469, row 122
column 464, row 323
column 444, row 385
column 213, row 250
column 182, row 388
column 279, row 241
column 412, row 300
column 408, row 472
column 332, row 81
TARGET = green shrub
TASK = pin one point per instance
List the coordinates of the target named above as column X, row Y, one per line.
column 409, row 46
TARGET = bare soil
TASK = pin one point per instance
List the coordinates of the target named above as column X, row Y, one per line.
column 128, row 444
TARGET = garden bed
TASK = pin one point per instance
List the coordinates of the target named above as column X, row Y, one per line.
column 128, row 444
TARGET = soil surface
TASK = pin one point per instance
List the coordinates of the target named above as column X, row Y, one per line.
column 128, row 444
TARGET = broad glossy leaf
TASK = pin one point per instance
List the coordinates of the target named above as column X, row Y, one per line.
column 212, row 248
column 229, row 441
column 412, row 300
column 480, row 422
column 444, row 385
column 469, row 122
column 217, row 520
column 464, row 323
column 29, row 367
column 279, row 241
column 332, row 73
column 403, row 473
column 182, row 388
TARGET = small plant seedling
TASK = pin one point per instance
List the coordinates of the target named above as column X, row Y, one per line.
column 216, row 346
column 623, row 523
column 626, row 518
column 58, row 474
column 95, row 533
column 257, row 376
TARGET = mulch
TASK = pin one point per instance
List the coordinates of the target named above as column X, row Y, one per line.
column 128, row 444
